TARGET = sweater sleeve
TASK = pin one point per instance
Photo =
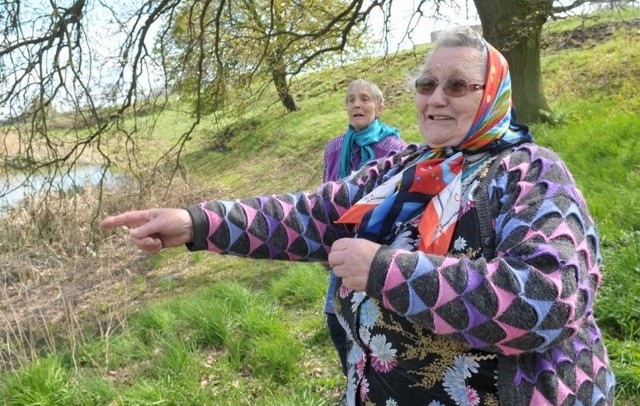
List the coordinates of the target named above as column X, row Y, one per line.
column 294, row 227
column 537, row 289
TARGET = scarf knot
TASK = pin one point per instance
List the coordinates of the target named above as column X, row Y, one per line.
column 364, row 139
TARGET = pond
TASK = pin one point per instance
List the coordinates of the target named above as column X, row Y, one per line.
column 16, row 187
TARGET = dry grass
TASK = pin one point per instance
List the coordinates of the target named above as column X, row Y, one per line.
column 60, row 273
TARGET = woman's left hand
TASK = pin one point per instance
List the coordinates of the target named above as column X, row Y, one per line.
column 351, row 260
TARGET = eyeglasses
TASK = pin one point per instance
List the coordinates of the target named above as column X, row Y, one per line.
column 451, row 87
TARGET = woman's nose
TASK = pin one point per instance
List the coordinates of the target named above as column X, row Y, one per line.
column 438, row 97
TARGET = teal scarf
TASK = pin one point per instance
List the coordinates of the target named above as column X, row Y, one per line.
column 364, row 138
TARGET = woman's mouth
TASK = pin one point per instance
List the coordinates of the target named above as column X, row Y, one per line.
column 439, row 118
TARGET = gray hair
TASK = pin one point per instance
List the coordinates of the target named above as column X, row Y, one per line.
column 368, row 85
column 459, row 37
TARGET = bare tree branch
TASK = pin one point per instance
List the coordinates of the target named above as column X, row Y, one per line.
column 70, row 95
column 564, row 9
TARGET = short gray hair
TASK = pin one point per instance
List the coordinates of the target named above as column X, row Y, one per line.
column 375, row 91
column 458, row 37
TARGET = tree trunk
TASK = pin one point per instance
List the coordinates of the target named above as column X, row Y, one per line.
column 514, row 27
column 279, row 76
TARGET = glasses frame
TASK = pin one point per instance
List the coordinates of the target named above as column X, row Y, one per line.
column 447, row 90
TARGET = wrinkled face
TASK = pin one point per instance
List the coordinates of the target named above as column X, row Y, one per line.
column 362, row 108
column 444, row 120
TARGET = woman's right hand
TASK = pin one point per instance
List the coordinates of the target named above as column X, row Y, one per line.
column 154, row 229
column 351, row 259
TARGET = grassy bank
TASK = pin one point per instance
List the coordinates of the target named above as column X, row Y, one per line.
column 86, row 319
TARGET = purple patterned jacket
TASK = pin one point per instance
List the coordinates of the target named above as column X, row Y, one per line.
column 539, row 269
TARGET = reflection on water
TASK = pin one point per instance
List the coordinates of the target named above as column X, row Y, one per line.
column 17, row 187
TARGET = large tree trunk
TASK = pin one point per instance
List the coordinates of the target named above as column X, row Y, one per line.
column 515, row 27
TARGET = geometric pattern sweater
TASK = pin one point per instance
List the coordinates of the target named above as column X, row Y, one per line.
column 528, row 299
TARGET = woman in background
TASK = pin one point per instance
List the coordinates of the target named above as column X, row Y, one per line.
column 366, row 138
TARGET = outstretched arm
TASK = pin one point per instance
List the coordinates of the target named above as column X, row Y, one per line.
column 295, row 227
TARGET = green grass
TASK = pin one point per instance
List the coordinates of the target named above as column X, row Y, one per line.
column 601, row 17
column 245, row 332
column 44, row 382
column 602, row 154
column 224, row 344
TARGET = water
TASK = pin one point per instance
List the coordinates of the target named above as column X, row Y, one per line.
column 17, row 187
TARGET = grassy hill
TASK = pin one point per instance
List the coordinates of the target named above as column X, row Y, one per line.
column 102, row 324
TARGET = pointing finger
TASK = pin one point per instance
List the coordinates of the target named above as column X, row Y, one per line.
column 130, row 218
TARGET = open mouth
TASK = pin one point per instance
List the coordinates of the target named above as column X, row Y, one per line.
column 439, row 118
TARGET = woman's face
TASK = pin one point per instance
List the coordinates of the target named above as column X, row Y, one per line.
column 362, row 108
column 444, row 120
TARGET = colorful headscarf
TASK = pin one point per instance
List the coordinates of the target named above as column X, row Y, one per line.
column 433, row 182
column 365, row 138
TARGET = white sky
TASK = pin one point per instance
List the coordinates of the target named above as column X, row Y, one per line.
column 401, row 15
column 464, row 13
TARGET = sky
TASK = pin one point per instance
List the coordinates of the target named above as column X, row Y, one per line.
column 401, row 15
column 462, row 13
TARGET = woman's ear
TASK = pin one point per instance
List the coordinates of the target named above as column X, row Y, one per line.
column 379, row 109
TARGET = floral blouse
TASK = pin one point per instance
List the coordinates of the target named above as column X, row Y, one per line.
column 387, row 351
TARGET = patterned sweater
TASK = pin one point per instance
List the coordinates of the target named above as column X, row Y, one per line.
column 528, row 298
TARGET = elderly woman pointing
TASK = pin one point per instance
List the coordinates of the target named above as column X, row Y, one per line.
column 467, row 266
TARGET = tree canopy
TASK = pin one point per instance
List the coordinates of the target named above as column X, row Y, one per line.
column 215, row 48
column 56, row 56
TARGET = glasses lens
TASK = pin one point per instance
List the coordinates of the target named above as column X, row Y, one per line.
column 455, row 87
column 426, row 85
